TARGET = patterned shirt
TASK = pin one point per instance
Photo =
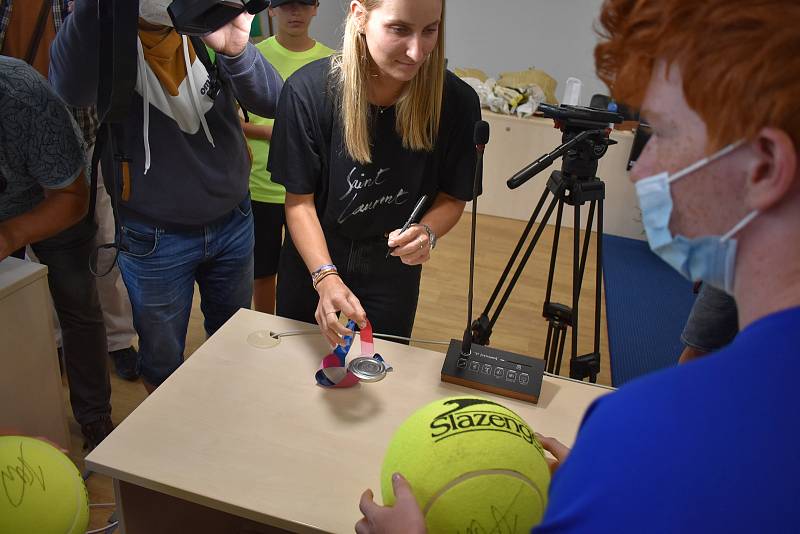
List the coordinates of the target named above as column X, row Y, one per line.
column 40, row 144
column 85, row 117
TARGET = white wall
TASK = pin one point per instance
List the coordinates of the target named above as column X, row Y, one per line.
column 553, row 35
column 327, row 27
column 506, row 35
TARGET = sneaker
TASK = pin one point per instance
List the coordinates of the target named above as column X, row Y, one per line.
column 126, row 363
column 96, row 431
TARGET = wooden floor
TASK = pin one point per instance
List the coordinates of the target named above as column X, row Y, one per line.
column 441, row 314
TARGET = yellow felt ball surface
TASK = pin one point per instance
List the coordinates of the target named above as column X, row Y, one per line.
column 473, row 464
column 41, row 490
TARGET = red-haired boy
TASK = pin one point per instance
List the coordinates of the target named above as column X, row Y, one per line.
column 710, row 446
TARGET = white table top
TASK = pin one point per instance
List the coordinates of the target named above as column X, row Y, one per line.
column 247, row 430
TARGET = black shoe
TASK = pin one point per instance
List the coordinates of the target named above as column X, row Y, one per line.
column 126, row 363
column 96, row 431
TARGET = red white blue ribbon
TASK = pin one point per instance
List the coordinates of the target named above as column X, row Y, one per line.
column 333, row 372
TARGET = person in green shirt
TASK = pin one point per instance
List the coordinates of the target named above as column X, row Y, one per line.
column 287, row 51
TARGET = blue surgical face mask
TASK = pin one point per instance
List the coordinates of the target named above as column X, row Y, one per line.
column 711, row 259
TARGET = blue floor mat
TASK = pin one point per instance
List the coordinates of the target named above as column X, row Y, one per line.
column 647, row 303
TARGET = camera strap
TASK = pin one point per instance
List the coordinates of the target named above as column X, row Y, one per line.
column 118, row 30
column 36, row 38
column 109, row 137
column 213, row 72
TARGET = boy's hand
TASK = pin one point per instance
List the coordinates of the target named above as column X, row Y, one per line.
column 405, row 517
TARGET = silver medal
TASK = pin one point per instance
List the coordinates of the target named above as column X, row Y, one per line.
column 369, row 369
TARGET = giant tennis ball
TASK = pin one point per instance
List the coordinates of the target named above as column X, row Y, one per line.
column 473, row 465
column 41, row 490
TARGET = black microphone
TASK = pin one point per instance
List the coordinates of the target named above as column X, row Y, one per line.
column 481, row 138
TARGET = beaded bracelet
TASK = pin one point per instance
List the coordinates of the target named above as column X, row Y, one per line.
column 326, row 267
column 322, row 269
column 322, row 276
column 322, row 272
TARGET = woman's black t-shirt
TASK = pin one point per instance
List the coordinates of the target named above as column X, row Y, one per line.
column 307, row 155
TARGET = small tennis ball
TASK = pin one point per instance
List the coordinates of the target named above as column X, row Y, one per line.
column 41, row 490
column 473, row 465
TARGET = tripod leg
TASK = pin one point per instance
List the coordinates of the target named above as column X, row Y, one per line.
column 587, row 237
column 562, row 343
column 517, row 249
column 599, row 279
column 523, row 261
column 558, row 327
column 576, row 247
column 548, row 347
column 554, row 253
column 557, row 347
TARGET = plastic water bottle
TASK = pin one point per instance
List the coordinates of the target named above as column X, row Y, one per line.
column 572, row 92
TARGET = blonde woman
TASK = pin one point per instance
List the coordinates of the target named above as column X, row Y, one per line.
column 358, row 140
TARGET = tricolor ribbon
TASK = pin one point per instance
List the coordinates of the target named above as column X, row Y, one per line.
column 333, row 372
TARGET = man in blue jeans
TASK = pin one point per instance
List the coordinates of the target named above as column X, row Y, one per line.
column 184, row 208
column 44, row 196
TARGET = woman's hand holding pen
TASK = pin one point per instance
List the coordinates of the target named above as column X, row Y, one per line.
column 412, row 246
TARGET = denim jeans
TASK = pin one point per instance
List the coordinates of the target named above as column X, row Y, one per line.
column 160, row 267
column 74, row 291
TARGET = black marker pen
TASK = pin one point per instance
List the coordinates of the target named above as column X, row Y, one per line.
column 411, row 220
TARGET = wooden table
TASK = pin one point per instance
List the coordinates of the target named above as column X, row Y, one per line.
column 31, row 395
column 241, row 437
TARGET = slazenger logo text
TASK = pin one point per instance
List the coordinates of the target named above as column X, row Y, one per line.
column 471, row 415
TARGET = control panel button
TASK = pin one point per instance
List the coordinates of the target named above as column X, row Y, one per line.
column 475, row 367
column 461, row 363
column 511, row 376
column 499, row 372
column 487, row 369
column 523, row 378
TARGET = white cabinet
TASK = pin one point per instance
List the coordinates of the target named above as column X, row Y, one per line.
column 31, row 396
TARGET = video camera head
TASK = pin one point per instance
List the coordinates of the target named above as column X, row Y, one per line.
column 585, row 140
column 201, row 17
column 593, row 126
column 580, row 118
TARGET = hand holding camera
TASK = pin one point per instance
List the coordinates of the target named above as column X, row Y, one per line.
column 231, row 39
column 203, row 18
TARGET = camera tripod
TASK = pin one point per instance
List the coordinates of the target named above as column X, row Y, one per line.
column 585, row 142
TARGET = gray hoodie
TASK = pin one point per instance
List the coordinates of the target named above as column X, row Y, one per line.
column 189, row 160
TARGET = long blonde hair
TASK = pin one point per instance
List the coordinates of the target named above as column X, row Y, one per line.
column 418, row 110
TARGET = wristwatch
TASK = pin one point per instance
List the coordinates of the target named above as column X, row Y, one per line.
column 431, row 234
